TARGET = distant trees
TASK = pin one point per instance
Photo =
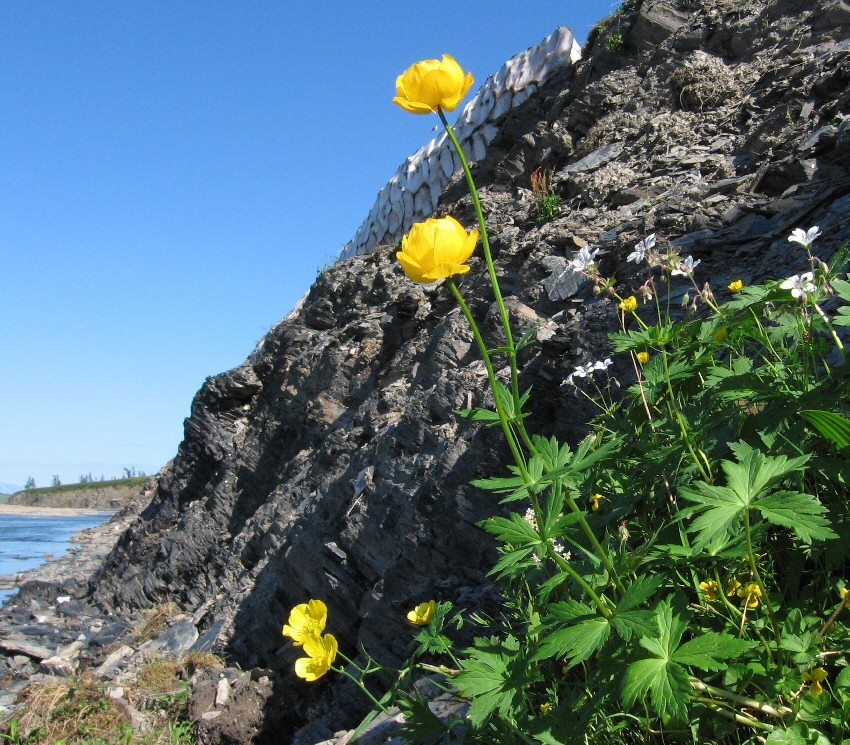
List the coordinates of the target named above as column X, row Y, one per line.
column 30, row 483
column 87, row 478
column 56, row 481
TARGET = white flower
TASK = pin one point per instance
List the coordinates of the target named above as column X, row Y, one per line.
column 686, row 266
column 641, row 249
column 804, row 237
column 799, row 285
column 584, row 261
column 582, row 371
column 603, row 364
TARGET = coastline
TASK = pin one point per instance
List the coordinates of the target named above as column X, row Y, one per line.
column 27, row 510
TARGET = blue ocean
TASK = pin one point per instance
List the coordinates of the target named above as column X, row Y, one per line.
column 27, row 541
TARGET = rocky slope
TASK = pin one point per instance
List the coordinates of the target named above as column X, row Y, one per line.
column 331, row 464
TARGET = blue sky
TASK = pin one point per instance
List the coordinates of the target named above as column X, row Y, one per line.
column 172, row 175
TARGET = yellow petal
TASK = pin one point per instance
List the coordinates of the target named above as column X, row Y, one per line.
column 412, row 268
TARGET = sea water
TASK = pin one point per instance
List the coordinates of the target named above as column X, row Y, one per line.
column 26, row 541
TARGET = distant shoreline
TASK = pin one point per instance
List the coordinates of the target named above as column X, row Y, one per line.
column 29, row 511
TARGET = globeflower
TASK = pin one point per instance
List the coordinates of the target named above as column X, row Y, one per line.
column 306, row 621
column 737, row 285
column 751, row 593
column 816, row 677
column 595, row 500
column 435, row 249
column 322, row 651
column 432, row 85
column 710, row 590
column 629, row 305
column 422, row 613
column 643, row 357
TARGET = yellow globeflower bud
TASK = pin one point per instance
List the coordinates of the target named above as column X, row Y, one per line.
column 643, row 357
column 322, row 652
column 629, row 305
column 422, row 613
column 435, row 249
column 432, row 84
column 737, row 285
column 306, row 621
column 595, row 500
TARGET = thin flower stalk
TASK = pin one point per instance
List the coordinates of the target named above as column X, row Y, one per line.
column 494, row 281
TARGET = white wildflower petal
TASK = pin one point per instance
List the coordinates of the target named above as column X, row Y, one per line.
column 685, row 267
column 584, row 260
column 799, row 284
column 804, row 237
column 603, row 364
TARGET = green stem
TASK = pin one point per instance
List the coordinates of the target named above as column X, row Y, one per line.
column 750, row 703
column 359, row 682
column 494, row 281
column 757, row 577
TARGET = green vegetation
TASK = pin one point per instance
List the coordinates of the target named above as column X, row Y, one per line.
column 547, row 202
column 134, row 481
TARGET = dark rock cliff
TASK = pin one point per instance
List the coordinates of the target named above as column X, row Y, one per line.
column 331, row 464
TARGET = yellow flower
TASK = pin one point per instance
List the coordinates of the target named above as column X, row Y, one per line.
column 306, row 621
column 732, row 587
column 435, row 249
column 643, row 357
column 737, row 285
column 594, row 501
column 322, row 651
column 751, row 593
column 546, row 708
column 629, row 305
column 422, row 613
column 710, row 590
column 844, row 592
column 816, row 677
column 720, row 335
column 432, row 84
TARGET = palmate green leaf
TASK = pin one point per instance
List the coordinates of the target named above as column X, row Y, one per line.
column 832, row 426
column 709, row 651
column 638, row 592
column 577, row 642
column 803, row 513
column 721, row 510
column 554, row 454
column 420, row 724
column 514, row 529
column 513, row 562
column 842, row 289
column 634, row 622
column 666, row 683
column 495, row 677
column 756, row 471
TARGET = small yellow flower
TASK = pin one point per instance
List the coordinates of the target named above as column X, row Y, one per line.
column 306, row 621
column 751, row 593
column 422, row 613
column 710, row 590
column 322, row 652
column 737, row 285
column 594, row 501
column 732, row 587
column 844, row 592
column 816, row 677
column 720, row 335
column 546, row 708
column 432, row 84
column 629, row 305
column 643, row 357
column 436, row 248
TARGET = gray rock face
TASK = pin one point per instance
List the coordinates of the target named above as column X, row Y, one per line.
column 331, row 464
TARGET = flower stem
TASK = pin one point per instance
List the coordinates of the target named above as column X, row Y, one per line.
column 494, row 281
